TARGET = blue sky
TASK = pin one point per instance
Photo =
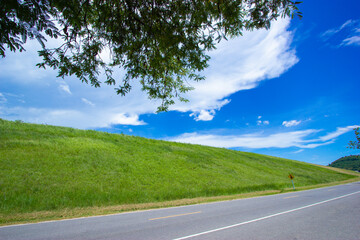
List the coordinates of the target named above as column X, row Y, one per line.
column 290, row 92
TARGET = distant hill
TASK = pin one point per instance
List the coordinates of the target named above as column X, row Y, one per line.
column 48, row 168
column 351, row 162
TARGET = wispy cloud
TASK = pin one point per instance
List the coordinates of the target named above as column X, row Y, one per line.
column 71, row 118
column 339, row 131
column 355, row 40
column 348, row 32
column 64, row 87
column 256, row 140
column 330, row 32
column 301, row 139
column 2, row 99
column 7, row 98
column 291, row 123
column 237, row 64
column 299, row 151
column 241, row 64
column 88, row 102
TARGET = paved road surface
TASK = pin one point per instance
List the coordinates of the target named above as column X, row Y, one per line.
column 326, row 213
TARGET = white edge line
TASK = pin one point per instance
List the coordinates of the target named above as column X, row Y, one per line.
column 159, row 209
column 266, row 217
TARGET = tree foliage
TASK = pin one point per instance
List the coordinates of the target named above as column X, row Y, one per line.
column 355, row 144
column 161, row 43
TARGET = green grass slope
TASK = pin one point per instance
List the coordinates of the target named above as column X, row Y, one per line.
column 45, row 168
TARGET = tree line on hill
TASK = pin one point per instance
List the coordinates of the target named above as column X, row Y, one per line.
column 351, row 162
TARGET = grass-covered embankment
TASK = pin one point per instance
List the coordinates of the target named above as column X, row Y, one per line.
column 47, row 168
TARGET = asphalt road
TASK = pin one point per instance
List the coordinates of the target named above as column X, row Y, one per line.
column 326, row 213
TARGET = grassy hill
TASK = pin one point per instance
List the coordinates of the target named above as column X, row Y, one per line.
column 351, row 162
column 47, row 168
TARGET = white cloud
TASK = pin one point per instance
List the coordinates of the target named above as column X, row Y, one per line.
column 2, row 99
column 236, row 65
column 291, row 123
column 257, row 140
column 300, row 139
column 299, row 151
column 349, row 32
column 262, row 122
column 355, row 40
column 329, row 33
column 203, row 115
column 63, row 86
column 65, row 117
column 88, row 102
column 240, row 64
column 125, row 119
column 339, row 131
column 21, row 67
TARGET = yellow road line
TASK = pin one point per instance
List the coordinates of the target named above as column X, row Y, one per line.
column 290, row 197
column 174, row 216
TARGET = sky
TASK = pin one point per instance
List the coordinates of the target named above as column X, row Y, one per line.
column 291, row 91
